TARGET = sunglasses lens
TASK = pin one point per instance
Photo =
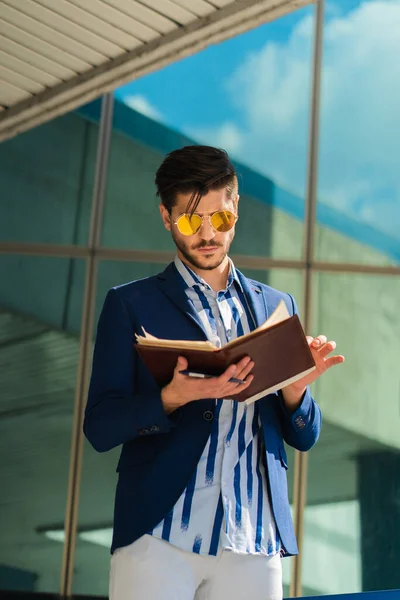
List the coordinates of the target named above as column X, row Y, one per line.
column 189, row 224
column 223, row 220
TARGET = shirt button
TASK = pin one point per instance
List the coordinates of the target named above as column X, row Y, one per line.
column 208, row 415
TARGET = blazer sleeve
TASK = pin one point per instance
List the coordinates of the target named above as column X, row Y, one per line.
column 115, row 413
column 302, row 427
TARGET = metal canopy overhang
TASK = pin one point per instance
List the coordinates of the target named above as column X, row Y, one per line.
column 58, row 55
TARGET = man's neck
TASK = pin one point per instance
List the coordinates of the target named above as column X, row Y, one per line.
column 216, row 278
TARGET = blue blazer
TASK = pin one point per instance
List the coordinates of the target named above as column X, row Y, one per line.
column 160, row 452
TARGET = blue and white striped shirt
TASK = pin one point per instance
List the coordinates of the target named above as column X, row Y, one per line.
column 226, row 502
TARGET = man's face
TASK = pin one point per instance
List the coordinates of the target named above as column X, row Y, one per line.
column 207, row 248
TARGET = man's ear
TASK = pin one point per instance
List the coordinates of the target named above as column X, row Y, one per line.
column 166, row 217
column 236, row 202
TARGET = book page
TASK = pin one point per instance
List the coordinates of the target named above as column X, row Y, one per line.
column 278, row 386
column 150, row 340
column 280, row 314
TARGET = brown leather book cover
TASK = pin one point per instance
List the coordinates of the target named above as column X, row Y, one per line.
column 281, row 355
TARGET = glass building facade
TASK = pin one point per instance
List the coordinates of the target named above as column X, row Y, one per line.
column 309, row 109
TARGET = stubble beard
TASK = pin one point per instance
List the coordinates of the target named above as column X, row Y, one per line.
column 192, row 258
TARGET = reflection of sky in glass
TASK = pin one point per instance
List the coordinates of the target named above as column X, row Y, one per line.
column 250, row 95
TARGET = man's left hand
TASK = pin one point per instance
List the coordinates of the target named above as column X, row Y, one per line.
column 320, row 349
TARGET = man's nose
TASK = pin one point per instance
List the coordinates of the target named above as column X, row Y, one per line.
column 206, row 231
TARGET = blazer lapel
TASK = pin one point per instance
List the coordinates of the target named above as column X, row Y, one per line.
column 255, row 299
column 172, row 285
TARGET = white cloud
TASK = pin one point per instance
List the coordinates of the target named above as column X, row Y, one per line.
column 227, row 136
column 142, row 105
column 360, row 121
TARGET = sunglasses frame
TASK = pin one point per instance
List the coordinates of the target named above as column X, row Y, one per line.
column 209, row 217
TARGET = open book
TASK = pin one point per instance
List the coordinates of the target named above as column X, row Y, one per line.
column 278, row 348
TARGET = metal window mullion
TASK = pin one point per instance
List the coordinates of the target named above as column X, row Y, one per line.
column 44, row 249
column 164, row 256
column 96, row 222
column 301, row 458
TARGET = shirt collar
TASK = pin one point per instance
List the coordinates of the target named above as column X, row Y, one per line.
column 191, row 278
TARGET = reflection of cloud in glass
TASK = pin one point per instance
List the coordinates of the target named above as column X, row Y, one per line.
column 227, row 136
column 141, row 104
column 360, row 127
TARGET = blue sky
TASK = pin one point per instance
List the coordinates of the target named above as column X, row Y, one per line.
column 205, row 99
column 250, row 95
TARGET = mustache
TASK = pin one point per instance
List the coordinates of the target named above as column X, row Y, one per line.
column 207, row 245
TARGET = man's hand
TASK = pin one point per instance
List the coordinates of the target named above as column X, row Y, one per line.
column 183, row 389
column 320, row 349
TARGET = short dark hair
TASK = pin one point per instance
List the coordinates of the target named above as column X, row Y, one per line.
column 194, row 170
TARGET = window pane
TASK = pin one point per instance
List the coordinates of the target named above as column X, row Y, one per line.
column 352, row 520
column 46, row 181
column 248, row 95
column 359, row 188
column 40, row 315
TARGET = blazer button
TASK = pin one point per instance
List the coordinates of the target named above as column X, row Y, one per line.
column 208, row 415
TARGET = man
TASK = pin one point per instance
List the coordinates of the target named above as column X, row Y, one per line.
column 201, row 509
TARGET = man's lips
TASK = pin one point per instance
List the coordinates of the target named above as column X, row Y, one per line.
column 208, row 249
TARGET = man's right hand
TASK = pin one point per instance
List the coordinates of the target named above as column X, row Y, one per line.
column 183, row 389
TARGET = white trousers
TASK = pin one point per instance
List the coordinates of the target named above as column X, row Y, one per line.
column 152, row 569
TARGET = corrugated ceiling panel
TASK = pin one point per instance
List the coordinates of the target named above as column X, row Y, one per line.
column 96, row 24
column 65, row 60
column 26, row 61
column 171, row 11
column 200, row 8
column 143, row 14
column 220, row 3
column 49, row 35
column 120, row 21
column 10, row 94
column 62, row 25
column 23, row 68
column 20, row 81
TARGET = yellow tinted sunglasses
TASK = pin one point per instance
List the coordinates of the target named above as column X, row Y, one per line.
column 221, row 221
